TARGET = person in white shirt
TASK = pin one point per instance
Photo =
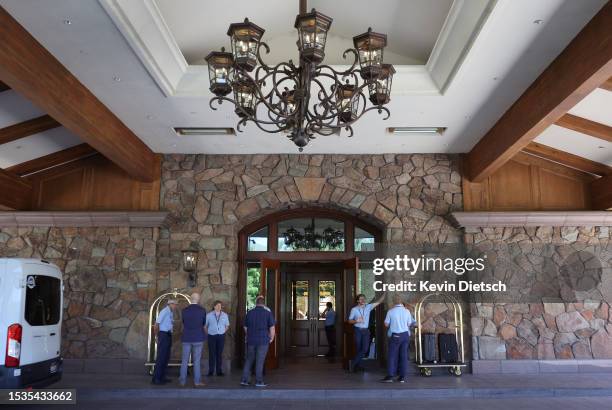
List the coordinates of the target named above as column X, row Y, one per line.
column 217, row 323
column 360, row 319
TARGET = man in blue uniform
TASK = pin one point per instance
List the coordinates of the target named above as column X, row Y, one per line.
column 259, row 330
column 360, row 319
column 398, row 322
column 163, row 330
column 194, row 319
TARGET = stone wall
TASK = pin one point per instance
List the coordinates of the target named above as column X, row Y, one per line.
column 211, row 197
column 109, row 279
column 113, row 274
column 578, row 330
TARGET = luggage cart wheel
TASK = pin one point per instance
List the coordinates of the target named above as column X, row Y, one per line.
column 456, row 371
column 425, row 371
column 151, row 370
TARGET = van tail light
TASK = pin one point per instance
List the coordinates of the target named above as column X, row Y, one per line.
column 13, row 346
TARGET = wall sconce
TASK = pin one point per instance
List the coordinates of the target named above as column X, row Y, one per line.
column 190, row 263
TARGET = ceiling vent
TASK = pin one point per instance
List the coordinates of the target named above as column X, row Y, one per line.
column 190, row 131
column 416, row 130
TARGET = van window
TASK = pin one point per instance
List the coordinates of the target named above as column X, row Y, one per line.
column 42, row 300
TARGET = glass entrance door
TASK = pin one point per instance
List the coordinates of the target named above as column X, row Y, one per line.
column 309, row 294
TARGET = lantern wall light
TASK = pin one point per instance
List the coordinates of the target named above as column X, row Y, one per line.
column 302, row 100
column 190, row 265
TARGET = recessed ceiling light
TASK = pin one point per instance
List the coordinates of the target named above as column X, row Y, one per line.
column 416, row 130
column 18, row 147
column 150, row 117
column 67, row 22
column 182, row 131
column 538, row 21
column 116, row 78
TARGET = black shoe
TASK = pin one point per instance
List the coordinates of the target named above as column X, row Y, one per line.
column 388, row 379
column 209, row 374
column 359, row 369
column 166, row 380
column 158, row 382
column 220, row 374
column 401, row 380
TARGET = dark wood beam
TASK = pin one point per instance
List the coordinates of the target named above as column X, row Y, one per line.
column 601, row 193
column 583, row 66
column 15, row 192
column 27, row 128
column 584, row 126
column 4, row 87
column 28, row 68
column 607, row 85
column 567, row 159
column 52, row 160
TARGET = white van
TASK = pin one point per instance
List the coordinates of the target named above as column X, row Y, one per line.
column 31, row 303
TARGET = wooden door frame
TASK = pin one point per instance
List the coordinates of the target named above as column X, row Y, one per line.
column 246, row 257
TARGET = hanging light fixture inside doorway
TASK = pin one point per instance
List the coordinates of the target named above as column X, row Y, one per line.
column 306, row 99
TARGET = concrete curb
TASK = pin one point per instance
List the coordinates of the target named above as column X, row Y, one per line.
column 328, row 394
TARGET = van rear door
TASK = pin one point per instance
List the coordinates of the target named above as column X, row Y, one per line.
column 42, row 314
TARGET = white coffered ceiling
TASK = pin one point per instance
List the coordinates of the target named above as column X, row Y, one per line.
column 509, row 44
column 200, row 26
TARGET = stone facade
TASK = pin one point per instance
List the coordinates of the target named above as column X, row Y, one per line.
column 109, row 279
column 580, row 330
column 113, row 274
column 211, row 197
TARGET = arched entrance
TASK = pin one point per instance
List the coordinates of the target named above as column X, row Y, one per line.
column 300, row 259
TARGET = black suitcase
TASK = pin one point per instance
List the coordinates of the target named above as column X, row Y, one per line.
column 447, row 345
column 429, row 347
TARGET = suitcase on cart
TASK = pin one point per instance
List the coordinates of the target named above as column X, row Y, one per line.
column 429, row 347
column 447, row 346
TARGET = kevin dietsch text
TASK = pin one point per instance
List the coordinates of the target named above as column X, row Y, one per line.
column 427, row 286
column 412, row 265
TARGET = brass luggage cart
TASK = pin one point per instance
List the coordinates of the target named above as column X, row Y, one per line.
column 454, row 368
column 156, row 306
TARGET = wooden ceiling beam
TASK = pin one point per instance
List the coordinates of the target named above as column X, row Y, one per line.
column 15, row 192
column 567, row 159
column 52, row 160
column 582, row 67
column 27, row 128
column 607, row 85
column 601, row 193
column 28, row 68
column 4, row 87
column 584, row 126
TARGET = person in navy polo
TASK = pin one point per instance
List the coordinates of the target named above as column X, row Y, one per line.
column 360, row 319
column 163, row 332
column 398, row 322
column 260, row 332
column 194, row 320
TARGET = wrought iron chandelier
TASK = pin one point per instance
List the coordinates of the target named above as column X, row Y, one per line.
column 330, row 238
column 295, row 99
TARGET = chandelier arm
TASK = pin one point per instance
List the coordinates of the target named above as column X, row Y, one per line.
column 349, row 71
column 378, row 108
column 247, row 115
column 270, row 71
column 259, row 59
